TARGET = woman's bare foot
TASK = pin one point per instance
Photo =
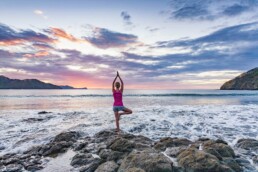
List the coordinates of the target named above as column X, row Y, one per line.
column 118, row 131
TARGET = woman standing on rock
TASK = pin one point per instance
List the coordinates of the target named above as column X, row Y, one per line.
column 118, row 100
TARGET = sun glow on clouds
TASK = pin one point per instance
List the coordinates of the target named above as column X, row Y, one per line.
column 160, row 52
column 145, row 50
column 82, row 68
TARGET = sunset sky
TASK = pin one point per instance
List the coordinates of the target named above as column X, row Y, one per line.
column 154, row 44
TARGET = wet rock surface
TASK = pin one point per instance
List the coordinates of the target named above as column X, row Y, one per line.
column 248, row 144
column 108, row 151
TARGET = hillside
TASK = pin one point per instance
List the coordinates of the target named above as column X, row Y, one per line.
column 245, row 81
column 7, row 83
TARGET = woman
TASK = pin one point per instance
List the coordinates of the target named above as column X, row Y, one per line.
column 118, row 100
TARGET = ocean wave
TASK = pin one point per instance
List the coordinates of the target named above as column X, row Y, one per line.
column 131, row 95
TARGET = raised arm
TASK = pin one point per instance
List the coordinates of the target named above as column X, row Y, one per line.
column 113, row 84
column 122, row 83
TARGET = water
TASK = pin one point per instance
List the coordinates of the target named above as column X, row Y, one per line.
column 191, row 114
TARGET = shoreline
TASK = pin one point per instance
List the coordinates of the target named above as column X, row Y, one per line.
column 132, row 153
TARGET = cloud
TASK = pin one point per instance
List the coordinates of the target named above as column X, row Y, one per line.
column 152, row 29
column 37, row 54
column 213, row 58
column 126, row 17
column 104, row 38
column 235, row 10
column 209, row 9
column 60, row 33
column 42, row 46
column 190, row 12
column 226, row 40
column 9, row 36
column 40, row 13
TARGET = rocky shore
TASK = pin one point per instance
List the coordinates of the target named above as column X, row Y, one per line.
column 107, row 151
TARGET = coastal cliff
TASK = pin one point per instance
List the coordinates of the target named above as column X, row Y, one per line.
column 245, row 81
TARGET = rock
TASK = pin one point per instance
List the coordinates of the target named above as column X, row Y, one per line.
column 174, row 151
column 203, row 139
column 148, row 160
column 82, row 159
column 109, row 166
column 222, row 149
column 135, row 170
column 248, row 144
column 213, row 152
column 122, row 145
column 34, row 168
column 79, row 146
column 109, row 155
column 245, row 81
column 67, row 136
column 232, row 164
column 35, row 150
column 11, row 160
column 105, row 135
column 56, row 148
column 171, row 142
column 92, row 166
column 31, row 120
column 13, row 168
column 221, row 141
column 43, row 112
column 194, row 160
column 8, row 155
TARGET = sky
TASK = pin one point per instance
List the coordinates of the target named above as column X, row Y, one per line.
column 154, row 44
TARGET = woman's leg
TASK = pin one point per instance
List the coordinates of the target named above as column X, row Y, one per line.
column 126, row 111
column 117, row 116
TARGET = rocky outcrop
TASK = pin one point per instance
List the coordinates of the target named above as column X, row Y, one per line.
column 107, row 151
column 7, row 83
column 245, row 81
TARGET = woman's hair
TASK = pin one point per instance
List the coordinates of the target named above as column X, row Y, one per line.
column 117, row 84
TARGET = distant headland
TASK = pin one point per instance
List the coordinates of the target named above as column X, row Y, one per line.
column 7, row 83
column 245, row 81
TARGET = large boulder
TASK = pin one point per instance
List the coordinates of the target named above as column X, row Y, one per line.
column 148, row 160
column 109, row 155
column 194, row 160
column 171, row 142
column 218, row 149
column 122, row 145
column 109, row 166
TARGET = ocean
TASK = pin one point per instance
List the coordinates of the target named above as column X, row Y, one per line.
column 191, row 114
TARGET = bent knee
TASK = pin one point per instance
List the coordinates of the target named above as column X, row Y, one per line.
column 131, row 111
